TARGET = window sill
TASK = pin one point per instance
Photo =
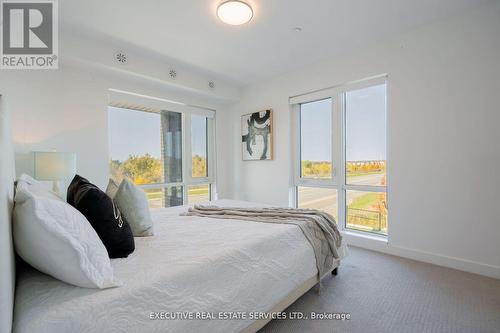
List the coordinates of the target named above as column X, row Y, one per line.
column 367, row 241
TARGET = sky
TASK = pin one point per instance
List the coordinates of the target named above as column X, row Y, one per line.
column 199, row 135
column 137, row 133
column 365, row 126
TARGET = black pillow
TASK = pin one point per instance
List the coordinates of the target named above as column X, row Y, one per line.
column 103, row 215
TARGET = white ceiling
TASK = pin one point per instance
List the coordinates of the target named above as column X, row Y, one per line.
column 189, row 32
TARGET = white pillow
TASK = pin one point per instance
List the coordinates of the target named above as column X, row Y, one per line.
column 37, row 188
column 133, row 204
column 57, row 239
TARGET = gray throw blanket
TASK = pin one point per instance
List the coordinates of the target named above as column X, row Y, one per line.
column 318, row 227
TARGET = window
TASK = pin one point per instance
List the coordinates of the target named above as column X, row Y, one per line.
column 365, row 128
column 315, row 139
column 199, row 144
column 168, row 196
column 135, row 146
column 366, row 211
column 343, row 126
column 324, row 199
column 198, row 193
column 365, row 159
column 166, row 153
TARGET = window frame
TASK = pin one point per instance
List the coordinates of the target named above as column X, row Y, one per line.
column 187, row 157
column 338, row 144
column 187, row 179
column 315, row 182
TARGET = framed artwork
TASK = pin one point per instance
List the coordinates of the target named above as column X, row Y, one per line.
column 257, row 136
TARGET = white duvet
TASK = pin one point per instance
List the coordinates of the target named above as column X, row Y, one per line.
column 191, row 265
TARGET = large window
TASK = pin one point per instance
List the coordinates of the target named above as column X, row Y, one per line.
column 166, row 153
column 316, row 139
column 346, row 127
column 365, row 159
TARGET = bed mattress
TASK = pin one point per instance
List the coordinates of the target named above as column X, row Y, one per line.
column 192, row 267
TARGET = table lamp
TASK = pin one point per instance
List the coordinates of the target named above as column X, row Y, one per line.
column 54, row 166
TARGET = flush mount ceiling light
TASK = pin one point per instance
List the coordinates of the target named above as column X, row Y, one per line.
column 234, row 12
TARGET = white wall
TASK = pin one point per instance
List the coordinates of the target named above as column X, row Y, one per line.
column 443, row 136
column 65, row 109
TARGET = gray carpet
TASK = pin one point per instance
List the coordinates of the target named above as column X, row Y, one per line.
column 384, row 293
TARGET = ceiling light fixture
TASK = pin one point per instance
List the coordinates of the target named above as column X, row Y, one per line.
column 234, row 12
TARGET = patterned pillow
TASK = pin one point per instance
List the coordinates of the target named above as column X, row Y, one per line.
column 104, row 216
column 112, row 189
column 133, row 204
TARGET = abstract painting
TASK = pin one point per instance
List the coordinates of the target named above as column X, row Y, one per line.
column 256, row 135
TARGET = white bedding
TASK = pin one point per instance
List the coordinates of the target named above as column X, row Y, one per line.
column 191, row 264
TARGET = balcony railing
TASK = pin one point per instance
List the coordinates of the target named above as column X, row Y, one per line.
column 367, row 220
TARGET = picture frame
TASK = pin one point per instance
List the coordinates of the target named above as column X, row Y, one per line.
column 257, row 136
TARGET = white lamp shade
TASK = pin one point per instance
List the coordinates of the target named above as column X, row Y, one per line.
column 54, row 165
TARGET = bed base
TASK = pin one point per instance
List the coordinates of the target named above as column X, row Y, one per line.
column 289, row 300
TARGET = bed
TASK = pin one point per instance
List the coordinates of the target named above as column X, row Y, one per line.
column 193, row 269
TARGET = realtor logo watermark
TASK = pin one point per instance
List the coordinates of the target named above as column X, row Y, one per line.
column 29, row 34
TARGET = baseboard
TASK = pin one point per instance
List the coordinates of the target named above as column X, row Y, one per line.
column 381, row 245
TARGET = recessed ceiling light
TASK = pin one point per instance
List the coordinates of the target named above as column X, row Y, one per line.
column 297, row 29
column 234, row 12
